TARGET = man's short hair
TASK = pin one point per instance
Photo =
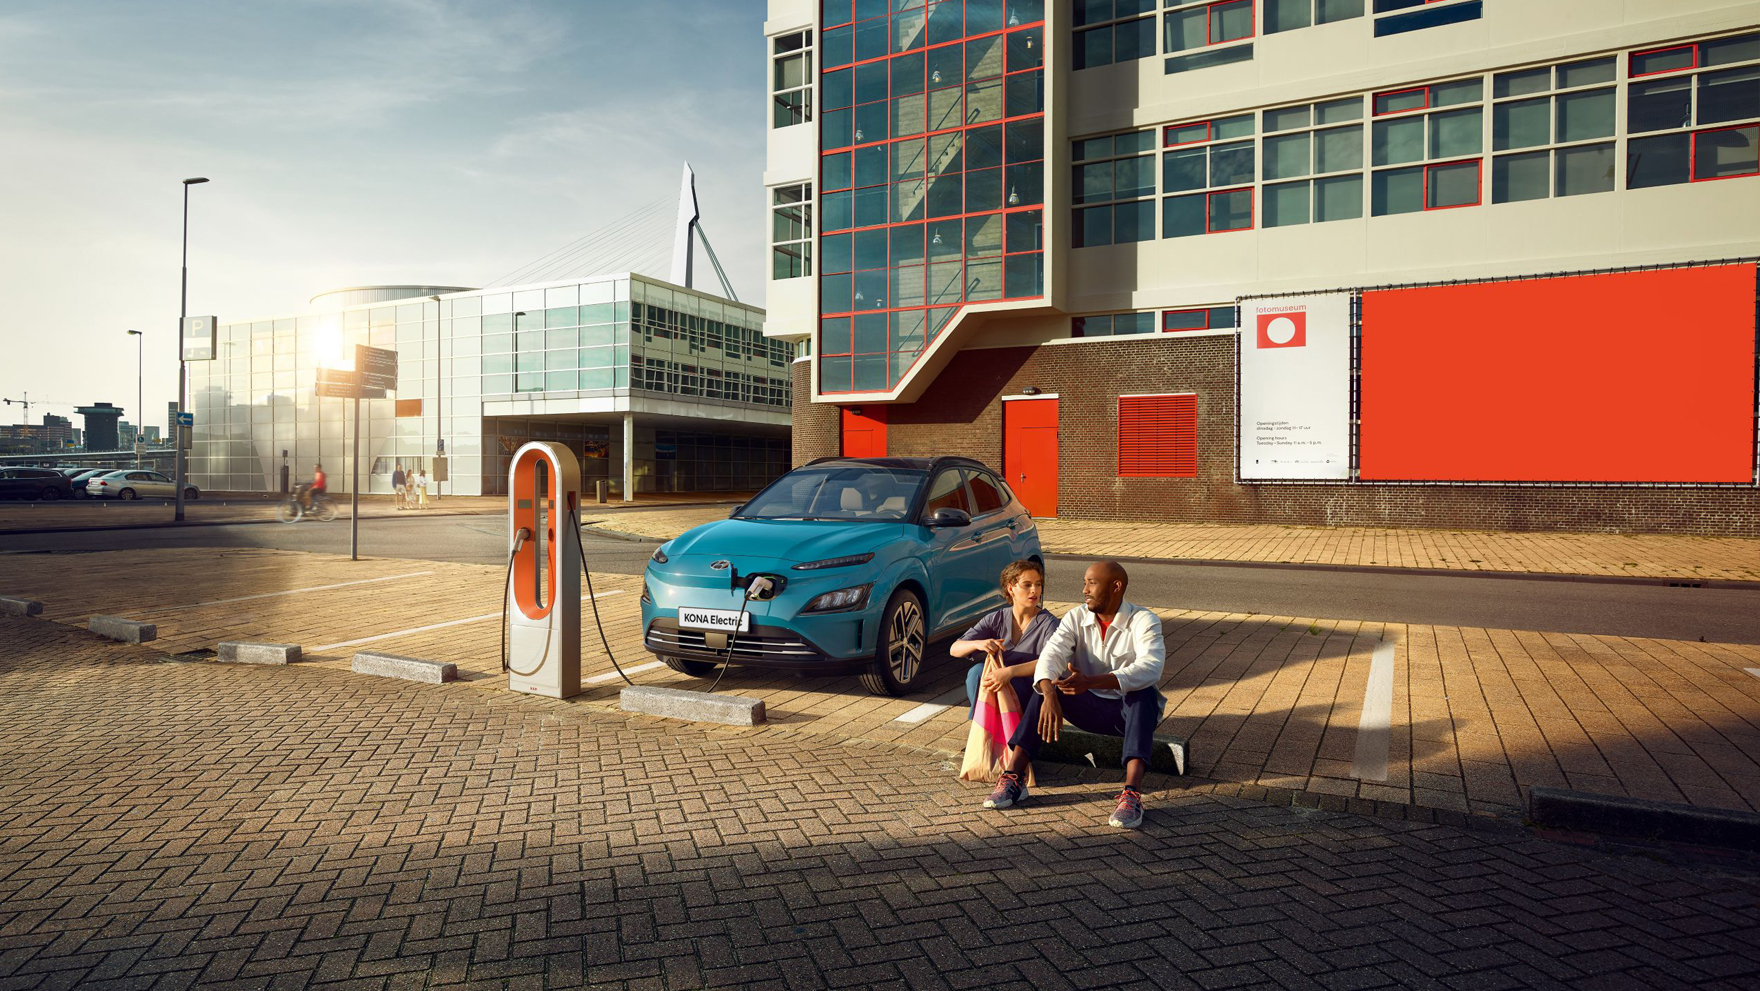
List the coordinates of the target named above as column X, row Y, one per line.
column 1115, row 573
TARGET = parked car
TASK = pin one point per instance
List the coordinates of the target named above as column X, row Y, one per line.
column 78, row 482
column 45, row 484
column 871, row 559
column 130, row 483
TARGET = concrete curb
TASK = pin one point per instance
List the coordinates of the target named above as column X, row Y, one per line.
column 1073, row 745
column 701, row 707
column 244, row 652
column 14, row 606
column 1558, row 808
column 1378, row 569
column 408, row 668
column 193, row 523
column 124, row 630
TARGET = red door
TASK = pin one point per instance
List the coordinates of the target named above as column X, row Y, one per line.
column 864, row 433
column 1029, row 452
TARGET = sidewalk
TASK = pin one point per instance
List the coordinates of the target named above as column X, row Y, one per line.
column 1623, row 555
column 100, row 514
column 1402, row 716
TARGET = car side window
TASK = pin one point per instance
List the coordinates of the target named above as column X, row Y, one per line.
column 985, row 496
column 948, row 491
column 155, row 476
column 138, row 476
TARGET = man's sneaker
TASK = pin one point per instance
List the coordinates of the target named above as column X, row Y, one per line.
column 1129, row 814
column 1009, row 791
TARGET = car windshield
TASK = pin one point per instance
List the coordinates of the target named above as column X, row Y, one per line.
column 843, row 492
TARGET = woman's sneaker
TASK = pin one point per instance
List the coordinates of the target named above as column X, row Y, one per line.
column 1129, row 814
column 1009, row 791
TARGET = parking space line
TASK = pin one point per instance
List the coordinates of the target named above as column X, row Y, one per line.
column 1753, row 671
column 291, row 591
column 436, row 626
column 600, row 679
column 938, row 704
column 1372, row 728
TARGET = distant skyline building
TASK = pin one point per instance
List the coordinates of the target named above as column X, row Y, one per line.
column 101, row 426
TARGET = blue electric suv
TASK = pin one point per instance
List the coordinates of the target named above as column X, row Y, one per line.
column 868, row 560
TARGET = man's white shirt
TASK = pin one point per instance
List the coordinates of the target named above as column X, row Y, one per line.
column 1132, row 649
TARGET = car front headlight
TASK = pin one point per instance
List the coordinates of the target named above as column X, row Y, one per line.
column 659, row 556
column 842, row 600
column 849, row 561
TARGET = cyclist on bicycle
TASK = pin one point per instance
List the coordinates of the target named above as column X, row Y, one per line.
column 311, row 490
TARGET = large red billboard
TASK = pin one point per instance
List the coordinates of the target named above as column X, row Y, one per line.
column 1627, row 377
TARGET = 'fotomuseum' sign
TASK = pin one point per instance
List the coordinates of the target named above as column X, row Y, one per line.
column 1295, row 362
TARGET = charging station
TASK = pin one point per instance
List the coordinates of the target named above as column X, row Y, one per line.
column 544, row 584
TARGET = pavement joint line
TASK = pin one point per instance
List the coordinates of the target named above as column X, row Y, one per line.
column 291, row 591
column 600, row 679
column 934, row 707
column 1370, row 763
column 435, row 626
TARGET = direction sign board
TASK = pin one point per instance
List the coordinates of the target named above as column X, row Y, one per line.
column 199, row 336
column 338, row 383
column 377, row 366
column 186, row 419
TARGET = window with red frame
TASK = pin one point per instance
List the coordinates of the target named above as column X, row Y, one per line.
column 1205, row 318
column 1205, row 155
column 1204, row 24
column 1698, row 54
column 1443, row 186
column 1694, row 156
column 1158, row 436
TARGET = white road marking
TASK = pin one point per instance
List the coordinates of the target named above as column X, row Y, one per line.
column 939, row 704
column 1753, row 671
column 1372, row 729
column 600, row 679
column 291, row 591
column 435, row 626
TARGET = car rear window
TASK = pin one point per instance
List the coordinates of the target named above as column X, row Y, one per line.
column 985, row 495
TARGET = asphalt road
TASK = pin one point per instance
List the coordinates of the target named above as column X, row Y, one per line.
column 1719, row 615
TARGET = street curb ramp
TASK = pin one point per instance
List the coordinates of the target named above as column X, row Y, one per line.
column 1559, row 808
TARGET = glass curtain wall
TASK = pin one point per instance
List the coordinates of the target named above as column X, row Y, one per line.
column 931, row 174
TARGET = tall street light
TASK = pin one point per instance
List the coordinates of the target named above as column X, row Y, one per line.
column 182, row 315
column 439, row 390
column 139, row 409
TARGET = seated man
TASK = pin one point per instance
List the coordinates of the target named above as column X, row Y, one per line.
column 1100, row 670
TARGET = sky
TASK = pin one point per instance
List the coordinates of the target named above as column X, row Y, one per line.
column 349, row 142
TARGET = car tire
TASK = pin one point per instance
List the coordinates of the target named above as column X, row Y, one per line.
column 127, row 495
column 903, row 641
column 696, row 669
column 80, row 494
column 191, row 495
column 50, row 495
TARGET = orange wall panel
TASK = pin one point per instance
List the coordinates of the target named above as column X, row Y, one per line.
column 1628, row 377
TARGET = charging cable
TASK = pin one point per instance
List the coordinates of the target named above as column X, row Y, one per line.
column 755, row 587
column 593, row 598
column 520, row 537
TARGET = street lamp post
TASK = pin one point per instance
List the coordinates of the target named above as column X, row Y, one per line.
column 439, row 390
column 182, row 315
column 140, row 352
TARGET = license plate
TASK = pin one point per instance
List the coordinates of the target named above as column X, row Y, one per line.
column 714, row 619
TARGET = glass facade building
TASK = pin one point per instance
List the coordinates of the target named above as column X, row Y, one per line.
column 680, row 384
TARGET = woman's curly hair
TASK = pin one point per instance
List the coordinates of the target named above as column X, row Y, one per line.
column 1015, row 570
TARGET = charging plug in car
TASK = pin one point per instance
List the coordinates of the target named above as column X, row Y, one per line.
column 759, row 588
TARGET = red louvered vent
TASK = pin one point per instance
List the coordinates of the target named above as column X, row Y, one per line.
column 1158, row 436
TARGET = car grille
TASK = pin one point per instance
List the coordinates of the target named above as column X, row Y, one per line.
column 755, row 643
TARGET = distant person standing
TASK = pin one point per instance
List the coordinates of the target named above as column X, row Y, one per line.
column 397, row 481
column 421, row 484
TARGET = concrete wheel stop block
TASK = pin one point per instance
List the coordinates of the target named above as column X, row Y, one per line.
column 699, row 707
column 125, row 630
column 244, row 652
column 1559, row 808
column 408, row 668
column 13, row 606
column 1074, row 746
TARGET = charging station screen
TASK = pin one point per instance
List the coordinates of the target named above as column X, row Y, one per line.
column 1627, row 377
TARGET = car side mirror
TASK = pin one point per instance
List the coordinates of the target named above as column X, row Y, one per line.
column 950, row 518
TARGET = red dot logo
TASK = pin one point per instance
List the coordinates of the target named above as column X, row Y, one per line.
column 1283, row 330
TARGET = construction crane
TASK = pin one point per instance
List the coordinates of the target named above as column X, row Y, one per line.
column 27, row 403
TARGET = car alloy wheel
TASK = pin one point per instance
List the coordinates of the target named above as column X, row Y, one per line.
column 128, row 494
column 899, row 655
column 50, row 495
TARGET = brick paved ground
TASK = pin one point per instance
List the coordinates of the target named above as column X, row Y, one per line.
column 170, row 825
column 1267, row 702
column 216, row 508
column 1626, row 555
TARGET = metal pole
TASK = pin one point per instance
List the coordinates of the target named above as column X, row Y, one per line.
column 439, row 388
column 182, row 315
column 354, row 489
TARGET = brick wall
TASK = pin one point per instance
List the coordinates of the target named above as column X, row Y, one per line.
column 960, row 414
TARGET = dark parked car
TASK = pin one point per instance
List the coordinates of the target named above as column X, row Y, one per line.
column 45, row 484
column 78, row 481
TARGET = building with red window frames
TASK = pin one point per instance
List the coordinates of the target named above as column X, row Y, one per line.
column 1450, row 263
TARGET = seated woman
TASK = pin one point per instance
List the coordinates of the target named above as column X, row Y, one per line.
column 1014, row 634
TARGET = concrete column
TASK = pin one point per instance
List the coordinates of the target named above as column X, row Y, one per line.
column 629, row 457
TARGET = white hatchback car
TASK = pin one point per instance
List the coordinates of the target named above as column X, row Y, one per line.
column 132, row 484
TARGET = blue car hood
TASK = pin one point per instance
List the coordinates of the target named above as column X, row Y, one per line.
column 789, row 541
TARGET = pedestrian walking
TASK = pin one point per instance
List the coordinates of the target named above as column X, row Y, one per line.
column 398, row 497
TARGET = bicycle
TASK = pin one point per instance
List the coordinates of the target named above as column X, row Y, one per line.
column 290, row 510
